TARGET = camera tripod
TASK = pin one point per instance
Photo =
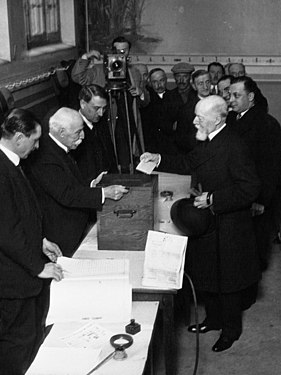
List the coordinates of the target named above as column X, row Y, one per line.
column 115, row 89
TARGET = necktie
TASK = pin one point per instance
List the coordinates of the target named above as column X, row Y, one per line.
column 238, row 116
column 213, row 90
column 22, row 172
column 71, row 158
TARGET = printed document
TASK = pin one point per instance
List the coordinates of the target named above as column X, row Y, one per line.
column 164, row 260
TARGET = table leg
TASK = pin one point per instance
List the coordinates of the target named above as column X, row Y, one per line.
column 167, row 308
column 169, row 333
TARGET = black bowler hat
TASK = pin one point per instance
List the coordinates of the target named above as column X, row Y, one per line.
column 192, row 221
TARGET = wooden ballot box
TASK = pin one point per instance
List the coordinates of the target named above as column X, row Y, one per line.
column 123, row 224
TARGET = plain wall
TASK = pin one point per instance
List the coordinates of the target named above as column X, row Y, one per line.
column 228, row 27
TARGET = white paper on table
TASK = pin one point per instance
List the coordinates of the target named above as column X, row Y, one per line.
column 146, row 166
column 164, row 260
column 61, row 361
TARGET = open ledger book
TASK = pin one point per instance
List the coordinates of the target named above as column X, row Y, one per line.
column 91, row 289
column 164, row 260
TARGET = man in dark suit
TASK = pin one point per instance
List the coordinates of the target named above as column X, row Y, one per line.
column 65, row 198
column 223, row 264
column 126, row 96
column 185, row 133
column 96, row 153
column 160, row 115
column 216, row 71
column 23, row 266
column 182, row 74
column 262, row 134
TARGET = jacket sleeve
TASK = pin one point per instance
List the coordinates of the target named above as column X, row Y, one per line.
column 55, row 181
column 84, row 72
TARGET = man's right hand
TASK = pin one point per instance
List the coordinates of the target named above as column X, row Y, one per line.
column 115, row 192
column 51, row 271
column 147, row 156
column 93, row 54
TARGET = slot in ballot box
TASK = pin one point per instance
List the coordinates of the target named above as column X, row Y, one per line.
column 124, row 224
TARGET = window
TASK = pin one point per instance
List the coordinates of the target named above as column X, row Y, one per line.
column 42, row 22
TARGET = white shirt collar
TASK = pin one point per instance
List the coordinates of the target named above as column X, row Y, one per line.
column 87, row 122
column 58, row 143
column 13, row 157
column 214, row 133
column 243, row 113
column 161, row 94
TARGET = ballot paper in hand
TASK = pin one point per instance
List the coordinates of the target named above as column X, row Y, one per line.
column 164, row 260
column 146, row 166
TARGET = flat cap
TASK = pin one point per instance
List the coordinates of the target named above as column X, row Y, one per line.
column 182, row 68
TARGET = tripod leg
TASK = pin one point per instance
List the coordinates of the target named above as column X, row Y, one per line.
column 129, row 133
column 112, row 130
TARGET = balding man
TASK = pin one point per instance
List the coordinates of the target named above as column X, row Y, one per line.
column 236, row 69
column 223, row 264
column 66, row 199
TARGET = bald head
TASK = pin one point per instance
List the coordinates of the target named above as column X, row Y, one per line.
column 210, row 114
column 236, row 69
column 66, row 125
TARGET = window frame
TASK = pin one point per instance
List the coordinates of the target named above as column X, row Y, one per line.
column 45, row 38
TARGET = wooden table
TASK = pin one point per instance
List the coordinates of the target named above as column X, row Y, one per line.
column 143, row 312
column 179, row 185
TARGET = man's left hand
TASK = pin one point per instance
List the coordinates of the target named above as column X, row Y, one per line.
column 51, row 250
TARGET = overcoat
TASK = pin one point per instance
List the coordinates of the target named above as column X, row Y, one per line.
column 21, row 257
column 64, row 197
column 224, row 167
column 262, row 134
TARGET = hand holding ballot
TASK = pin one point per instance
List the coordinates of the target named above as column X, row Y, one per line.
column 148, row 162
column 148, row 156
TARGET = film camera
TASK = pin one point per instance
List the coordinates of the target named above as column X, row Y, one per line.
column 115, row 67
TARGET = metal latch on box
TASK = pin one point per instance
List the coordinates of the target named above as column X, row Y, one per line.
column 125, row 213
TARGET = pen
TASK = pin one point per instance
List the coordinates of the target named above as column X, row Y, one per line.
column 101, row 363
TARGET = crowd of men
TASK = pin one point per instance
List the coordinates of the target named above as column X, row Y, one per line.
column 213, row 125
